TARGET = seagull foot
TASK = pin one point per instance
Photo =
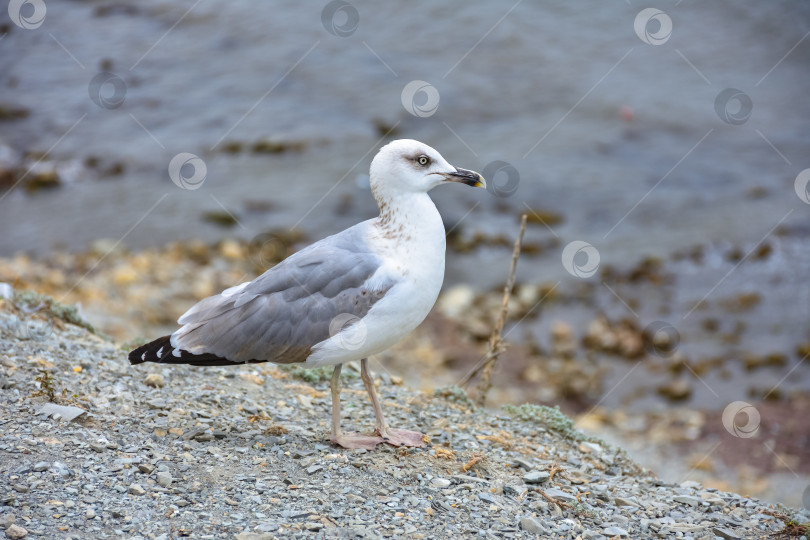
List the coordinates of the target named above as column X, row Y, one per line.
column 355, row 441
column 402, row 437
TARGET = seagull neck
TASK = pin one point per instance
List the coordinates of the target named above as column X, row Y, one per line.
column 409, row 212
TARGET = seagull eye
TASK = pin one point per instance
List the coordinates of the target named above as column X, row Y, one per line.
column 423, row 160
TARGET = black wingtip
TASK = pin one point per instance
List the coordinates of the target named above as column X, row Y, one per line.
column 162, row 352
column 149, row 352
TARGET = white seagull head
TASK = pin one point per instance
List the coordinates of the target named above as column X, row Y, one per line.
column 409, row 166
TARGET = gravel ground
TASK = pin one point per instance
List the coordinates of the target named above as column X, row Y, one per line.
column 166, row 452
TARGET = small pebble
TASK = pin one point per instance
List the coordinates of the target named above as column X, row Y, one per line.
column 486, row 497
column 155, row 380
column 726, row 534
column 136, row 489
column 561, row 495
column 164, row 478
column 535, row 477
column 532, row 525
column 614, row 531
column 686, row 499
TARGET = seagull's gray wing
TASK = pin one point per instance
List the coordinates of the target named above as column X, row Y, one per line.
column 279, row 316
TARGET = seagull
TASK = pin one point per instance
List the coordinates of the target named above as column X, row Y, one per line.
column 341, row 299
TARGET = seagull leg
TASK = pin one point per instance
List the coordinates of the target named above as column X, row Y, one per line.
column 394, row 437
column 346, row 440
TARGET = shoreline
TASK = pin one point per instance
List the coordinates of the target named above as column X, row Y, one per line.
column 166, row 451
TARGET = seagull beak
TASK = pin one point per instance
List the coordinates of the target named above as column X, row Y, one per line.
column 471, row 178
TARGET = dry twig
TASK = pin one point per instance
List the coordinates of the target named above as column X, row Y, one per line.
column 555, row 469
column 476, row 458
column 495, row 346
column 445, row 453
column 551, row 499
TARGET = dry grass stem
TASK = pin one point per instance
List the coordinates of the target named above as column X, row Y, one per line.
column 495, row 346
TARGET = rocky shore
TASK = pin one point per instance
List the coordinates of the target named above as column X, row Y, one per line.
column 158, row 452
column 566, row 347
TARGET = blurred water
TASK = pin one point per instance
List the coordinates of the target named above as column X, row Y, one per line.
column 200, row 74
column 618, row 136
